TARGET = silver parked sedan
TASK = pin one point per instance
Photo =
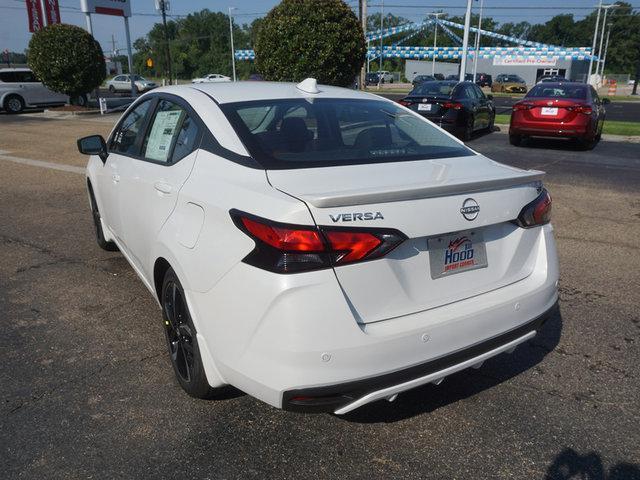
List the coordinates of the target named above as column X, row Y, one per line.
column 122, row 83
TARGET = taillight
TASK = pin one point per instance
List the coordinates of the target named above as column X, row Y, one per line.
column 522, row 106
column 537, row 212
column 285, row 248
column 452, row 105
column 404, row 103
column 585, row 109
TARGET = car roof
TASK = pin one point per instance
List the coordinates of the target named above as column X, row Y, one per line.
column 243, row 91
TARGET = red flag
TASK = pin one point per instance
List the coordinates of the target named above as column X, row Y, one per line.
column 52, row 9
column 35, row 15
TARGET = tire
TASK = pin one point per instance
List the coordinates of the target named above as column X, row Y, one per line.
column 586, row 144
column 181, row 339
column 95, row 213
column 391, row 81
column 79, row 100
column 13, row 104
column 492, row 122
column 112, row 89
column 515, row 140
column 467, row 133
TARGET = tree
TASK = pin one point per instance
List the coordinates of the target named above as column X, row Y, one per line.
column 67, row 59
column 310, row 38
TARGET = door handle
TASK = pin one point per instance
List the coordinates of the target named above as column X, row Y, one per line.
column 163, row 187
column 115, row 177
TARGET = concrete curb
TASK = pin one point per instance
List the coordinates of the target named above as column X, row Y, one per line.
column 504, row 129
column 62, row 114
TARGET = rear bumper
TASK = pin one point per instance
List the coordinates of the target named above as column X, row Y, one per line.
column 345, row 397
column 541, row 129
column 277, row 337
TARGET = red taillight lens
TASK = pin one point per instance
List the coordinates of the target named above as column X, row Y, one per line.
column 284, row 248
column 522, row 106
column 452, row 105
column 585, row 109
column 537, row 212
column 404, row 102
column 351, row 246
column 290, row 239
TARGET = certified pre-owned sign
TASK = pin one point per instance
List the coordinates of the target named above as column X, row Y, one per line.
column 120, row 8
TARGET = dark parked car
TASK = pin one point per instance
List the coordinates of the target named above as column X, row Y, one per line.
column 418, row 79
column 438, row 76
column 459, row 107
column 562, row 109
column 371, row 78
column 482, row 79
column 452, row 77
column 551, row 78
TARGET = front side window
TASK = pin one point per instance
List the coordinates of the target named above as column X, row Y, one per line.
column 127, row 136
column 172, row 134
column 299, row 133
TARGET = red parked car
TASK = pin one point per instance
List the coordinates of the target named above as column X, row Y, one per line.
column 559, row 109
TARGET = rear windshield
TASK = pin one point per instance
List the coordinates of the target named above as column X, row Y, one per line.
column 543, row 90
column 436, row 89
column 513, row 78
column 300, row 133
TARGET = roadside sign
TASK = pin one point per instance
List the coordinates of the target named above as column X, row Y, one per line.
column 119, row 8
column 34, row 12
column 52, row 11
column 149, row 63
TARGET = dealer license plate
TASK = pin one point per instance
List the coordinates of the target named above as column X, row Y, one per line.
column 456, row 253
column 424, row 107
column 549, row 111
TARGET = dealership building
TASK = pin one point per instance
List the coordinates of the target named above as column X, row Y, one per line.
column 530, row 69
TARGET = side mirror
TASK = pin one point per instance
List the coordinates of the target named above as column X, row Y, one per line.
column 489, row 97
column 606, row 101
column 93, row 145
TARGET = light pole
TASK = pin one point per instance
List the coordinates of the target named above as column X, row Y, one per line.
column 606, row 47
column 465, row 41
column 381, row 36
column 593, row 46
column 604, row 23
column 477, row 46
column 233, row 52
column 435, row 37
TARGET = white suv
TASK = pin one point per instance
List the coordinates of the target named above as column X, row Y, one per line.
column 19, row 89
column 316, row 247
column 385, row 76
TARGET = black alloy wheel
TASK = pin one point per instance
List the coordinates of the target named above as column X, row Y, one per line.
column 182, row 340
column 467, row 133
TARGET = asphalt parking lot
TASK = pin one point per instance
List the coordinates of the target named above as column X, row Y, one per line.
column 88, row 390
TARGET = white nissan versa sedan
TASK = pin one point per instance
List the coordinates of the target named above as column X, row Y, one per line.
column 316, row 247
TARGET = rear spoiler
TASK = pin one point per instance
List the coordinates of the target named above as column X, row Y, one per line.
column 417, row 191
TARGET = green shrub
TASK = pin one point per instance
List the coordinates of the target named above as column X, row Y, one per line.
column 67, row 59
column 310, row 38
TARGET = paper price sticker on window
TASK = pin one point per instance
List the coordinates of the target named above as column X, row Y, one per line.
column 161, row 135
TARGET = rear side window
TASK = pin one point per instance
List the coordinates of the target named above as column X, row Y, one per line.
column 172, row 134
column 299, row 133
column 8, row 77
column 126, row 139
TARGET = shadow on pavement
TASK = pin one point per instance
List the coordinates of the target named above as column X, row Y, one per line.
column 570, row 465
column 466, row 383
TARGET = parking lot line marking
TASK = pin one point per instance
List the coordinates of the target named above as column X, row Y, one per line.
column 39, row 163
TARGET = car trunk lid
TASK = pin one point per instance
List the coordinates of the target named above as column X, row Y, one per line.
column 423, row 200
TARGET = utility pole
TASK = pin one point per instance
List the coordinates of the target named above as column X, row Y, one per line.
column 465, row 41
column 435, row 40
column 362, row 9
column 233, row 51
column 477, row 46
column 593, row 46
column 44, row 13
column 113, row 45
column 163, row 10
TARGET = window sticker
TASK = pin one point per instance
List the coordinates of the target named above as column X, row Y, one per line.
column 162, row 132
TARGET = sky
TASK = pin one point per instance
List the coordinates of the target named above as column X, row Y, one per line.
column 14, row 34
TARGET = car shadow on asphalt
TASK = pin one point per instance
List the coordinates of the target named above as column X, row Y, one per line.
column 464, row 384
column 565, row 144
column 569, row 464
